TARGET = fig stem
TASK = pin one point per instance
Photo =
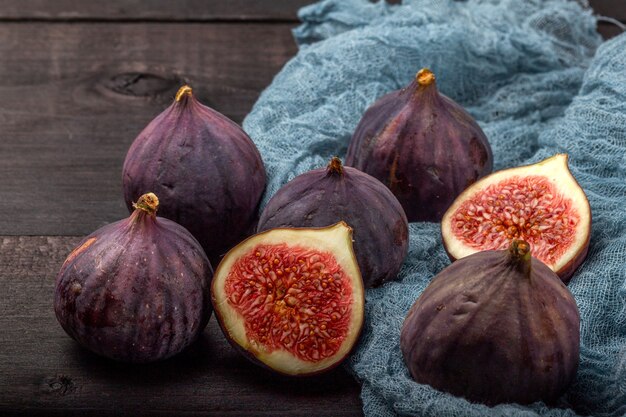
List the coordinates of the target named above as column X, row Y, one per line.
column 183, row 91
column 148, row 202
column 335, row 167
column 520, row 255
column 425, row 77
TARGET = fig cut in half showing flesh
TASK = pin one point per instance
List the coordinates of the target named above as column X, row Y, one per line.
column 292, row 299
column 540, row 203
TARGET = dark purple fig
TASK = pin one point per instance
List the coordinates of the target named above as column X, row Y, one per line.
column 325, row 196
column 422, row 145
column 136, row 290
column 497, row 326
column 205, row 168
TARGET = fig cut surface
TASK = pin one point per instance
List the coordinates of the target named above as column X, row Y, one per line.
column 540, row 203
column 292, row 299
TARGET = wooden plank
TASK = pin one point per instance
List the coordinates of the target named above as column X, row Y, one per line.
column 44, row 372
column 195, row 10
column 74, row 96
column 612, row 8
column 160, row 10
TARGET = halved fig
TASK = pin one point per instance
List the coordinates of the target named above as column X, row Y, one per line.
column 292, row 299
column 540, row 203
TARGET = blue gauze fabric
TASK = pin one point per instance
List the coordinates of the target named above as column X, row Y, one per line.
column 537, row 79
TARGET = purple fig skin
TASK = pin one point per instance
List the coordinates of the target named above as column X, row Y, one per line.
column 325, row 196
column 204, row 167
column 137, row 290
column 494, row 327
column 422, row 145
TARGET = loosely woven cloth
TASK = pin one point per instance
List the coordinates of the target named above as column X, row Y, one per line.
column 538, row 80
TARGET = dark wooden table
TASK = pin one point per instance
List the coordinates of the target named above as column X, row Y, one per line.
column 78, row 81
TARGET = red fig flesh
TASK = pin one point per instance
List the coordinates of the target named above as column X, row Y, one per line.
column 291, row 299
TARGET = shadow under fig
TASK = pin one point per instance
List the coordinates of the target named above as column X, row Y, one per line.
column 196, row 360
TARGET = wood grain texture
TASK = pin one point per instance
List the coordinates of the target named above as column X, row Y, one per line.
column 180, row 10
column 43, row 371
column 74, row 96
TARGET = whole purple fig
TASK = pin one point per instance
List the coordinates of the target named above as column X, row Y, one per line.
column 136, row 290
column 422, row 145
column 497, row 326
column 325, row 196
column 206, row 169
